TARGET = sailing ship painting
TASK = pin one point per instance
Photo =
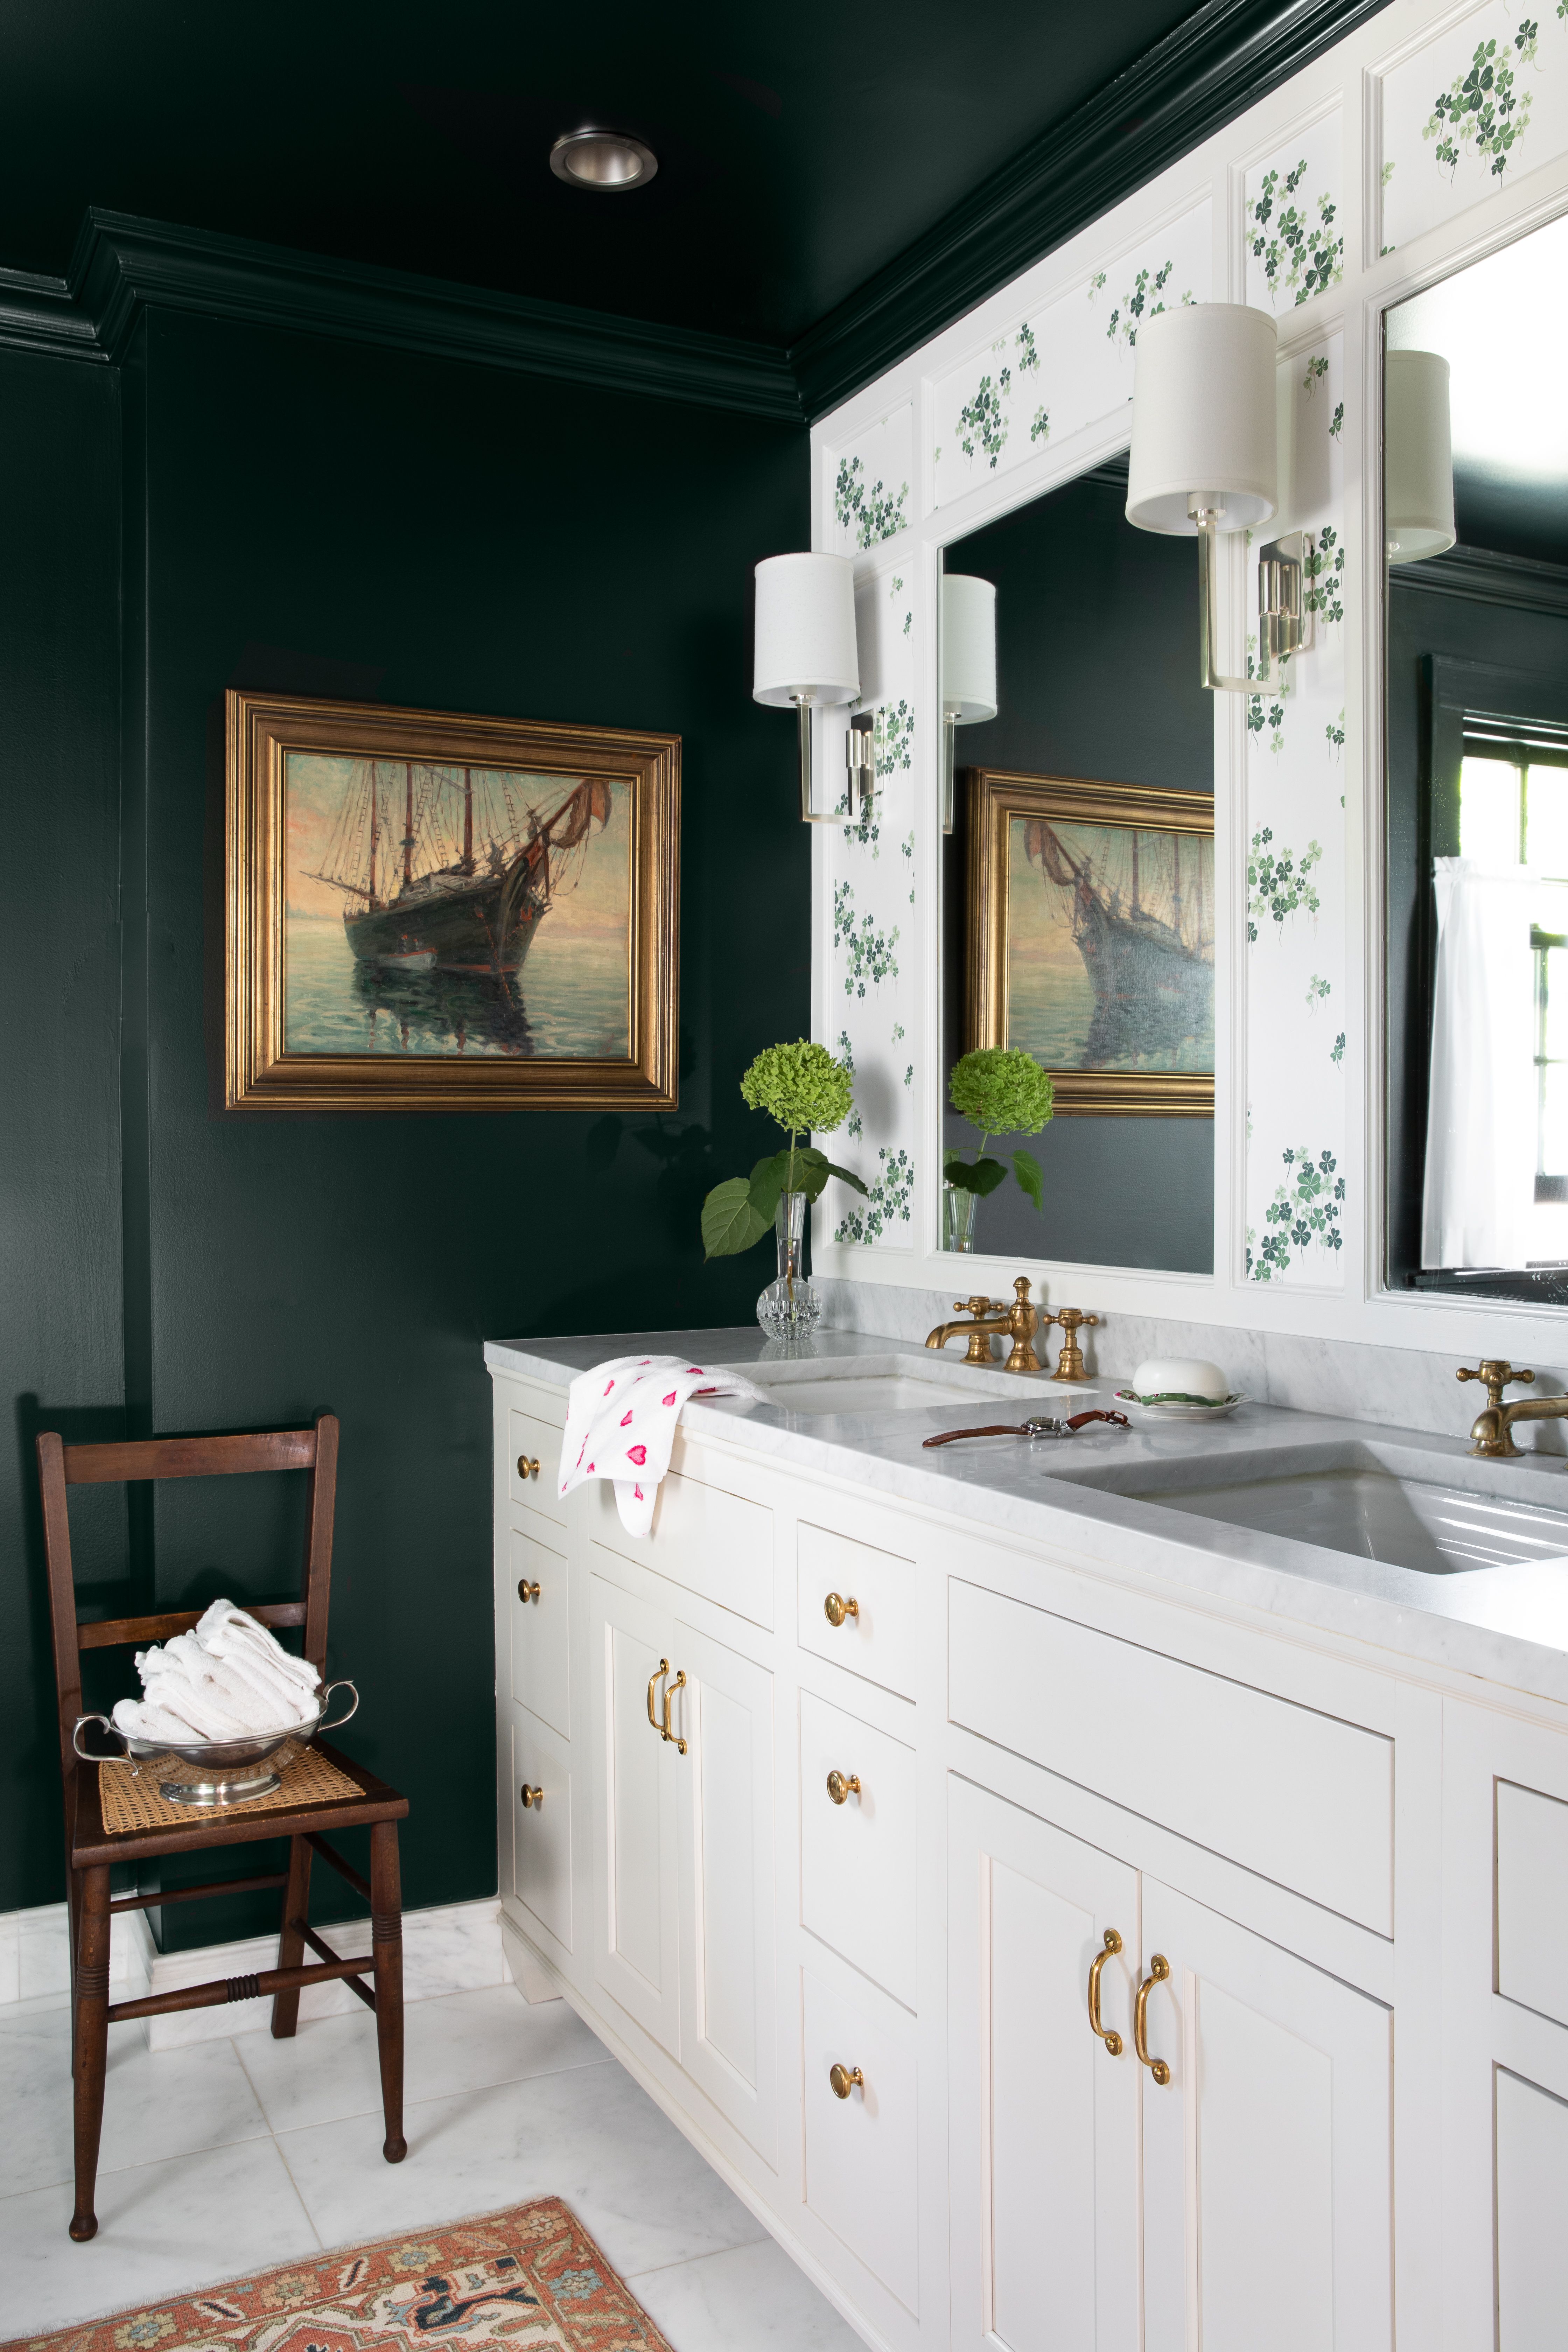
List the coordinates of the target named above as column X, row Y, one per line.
column 1110, row 945
column 451, row 910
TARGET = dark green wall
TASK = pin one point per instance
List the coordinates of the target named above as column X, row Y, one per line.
column 1097, row 665
column 321, row 517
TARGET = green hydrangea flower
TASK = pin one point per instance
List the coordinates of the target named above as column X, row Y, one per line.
column 801, row 1086
column 1001, row 1091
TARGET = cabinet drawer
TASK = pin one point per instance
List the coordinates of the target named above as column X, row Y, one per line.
column 861, row 2160
column 1301, row 1798
column 857, row 1858
column 1531, row 1898
column 542, row 1832
column 540, row 1649
column 877, row 1641
column 712, row 1542
column 528, row 1440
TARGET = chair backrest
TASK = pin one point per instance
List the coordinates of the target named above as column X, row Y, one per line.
column 62, row 1466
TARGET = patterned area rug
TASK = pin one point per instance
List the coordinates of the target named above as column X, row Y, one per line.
column 528, row 2280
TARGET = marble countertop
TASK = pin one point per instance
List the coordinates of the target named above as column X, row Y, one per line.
column 1506, row 1626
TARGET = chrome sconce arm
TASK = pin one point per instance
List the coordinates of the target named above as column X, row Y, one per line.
column 859, row 758
column 1284, row 624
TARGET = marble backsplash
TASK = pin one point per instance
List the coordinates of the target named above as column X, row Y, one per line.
column 1408, row 1387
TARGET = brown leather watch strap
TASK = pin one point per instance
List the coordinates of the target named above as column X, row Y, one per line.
column 997, row 1428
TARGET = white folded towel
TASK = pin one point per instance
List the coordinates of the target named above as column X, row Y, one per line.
column 620, row 1424
column 226, row 1679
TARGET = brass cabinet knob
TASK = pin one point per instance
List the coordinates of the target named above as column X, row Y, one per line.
column 836, row 1607
column 1111, row 2039
column 532, row 1798
column 1159, row 1969
column 839, row 1786
column 844, row 2079
column 528, row 1465
column 526, row 1591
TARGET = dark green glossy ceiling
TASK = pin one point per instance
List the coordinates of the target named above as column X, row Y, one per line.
column 800, row 149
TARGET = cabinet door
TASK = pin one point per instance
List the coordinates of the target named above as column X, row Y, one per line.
column 636, row 1915
column 724, row 1786
column 1267, row 2158
column 1042, row 2120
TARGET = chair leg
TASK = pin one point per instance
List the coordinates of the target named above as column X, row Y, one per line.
column 386, row 1947
column 89, row 2023
column 291, row 1943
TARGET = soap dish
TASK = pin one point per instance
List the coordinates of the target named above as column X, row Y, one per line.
column 1179, row 1407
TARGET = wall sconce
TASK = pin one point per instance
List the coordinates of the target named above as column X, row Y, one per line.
column 1418, row 457
column 967, row 654
column 806, row 654
column 1205, row 460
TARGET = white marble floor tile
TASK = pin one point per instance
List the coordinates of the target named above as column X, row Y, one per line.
column 464, row 2042
column 750, row 2296
column 162, row 2229
column 590, row 2136
column 154, row 2107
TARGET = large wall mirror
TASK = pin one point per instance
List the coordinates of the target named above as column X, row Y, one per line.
column 1079, row 909
column 1476, row 514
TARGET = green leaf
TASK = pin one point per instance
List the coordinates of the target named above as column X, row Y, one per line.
column 766, row 1184
column 982, row 1176
column 847, row 1176
column 1027, row 1169
column 730, row 1222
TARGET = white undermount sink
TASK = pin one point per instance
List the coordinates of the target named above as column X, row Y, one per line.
column 899, row 1383
column 1347, row 1499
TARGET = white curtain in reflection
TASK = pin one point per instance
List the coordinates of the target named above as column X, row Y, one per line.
column 1481, row 1122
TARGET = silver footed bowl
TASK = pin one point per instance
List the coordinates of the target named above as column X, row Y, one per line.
column 214, row 1772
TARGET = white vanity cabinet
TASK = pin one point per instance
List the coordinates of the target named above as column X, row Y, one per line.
column 841, row 1922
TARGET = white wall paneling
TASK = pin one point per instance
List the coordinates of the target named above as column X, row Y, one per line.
column 1357, row 182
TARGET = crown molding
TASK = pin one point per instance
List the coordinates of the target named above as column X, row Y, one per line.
column 1226, row 56
column 123, row 266
column 1485, row 576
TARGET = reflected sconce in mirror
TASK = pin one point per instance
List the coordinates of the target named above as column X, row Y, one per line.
column 806, row 655
column 1205, row 460
column 967, row 652
column 1418, row 457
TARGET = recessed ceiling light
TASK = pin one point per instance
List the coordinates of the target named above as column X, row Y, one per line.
column 606, row 161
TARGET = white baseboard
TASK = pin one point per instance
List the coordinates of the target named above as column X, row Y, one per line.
column 450, row 1947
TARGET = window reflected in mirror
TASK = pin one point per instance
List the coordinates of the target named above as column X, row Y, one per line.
column 1476, row 530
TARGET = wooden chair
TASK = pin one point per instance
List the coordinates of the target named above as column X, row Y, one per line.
column 91, row 1849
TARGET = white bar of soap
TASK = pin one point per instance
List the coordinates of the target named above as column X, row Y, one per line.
column 1179, row 1376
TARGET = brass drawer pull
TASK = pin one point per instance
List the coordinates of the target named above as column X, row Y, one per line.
column 526, row 1591
column 527, row 1466
column 1111, row 2039
column 1159, row 1969
column 671, row 1689
column 657, row 1675
column 844, row 2079
column 839, row 1785
column 532, row 1798
column 836, row 1607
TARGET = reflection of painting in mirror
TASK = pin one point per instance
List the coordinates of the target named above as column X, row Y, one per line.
column 1477, row 791
column 1110, row 946
column 455, row 909
column 1091, row 943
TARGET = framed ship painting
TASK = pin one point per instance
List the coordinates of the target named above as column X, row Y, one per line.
column 1091, row 939
column 428, row 912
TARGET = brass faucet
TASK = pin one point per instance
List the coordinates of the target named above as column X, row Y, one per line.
column 1492, row 1435
column 1069, row 1363
column 1017, row 1322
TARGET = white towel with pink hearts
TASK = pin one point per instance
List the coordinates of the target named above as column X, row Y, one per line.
column 620, row 1424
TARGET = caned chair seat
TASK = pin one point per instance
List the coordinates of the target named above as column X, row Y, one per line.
column 94, row 1848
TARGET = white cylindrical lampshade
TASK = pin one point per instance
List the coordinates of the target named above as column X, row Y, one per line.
column 805, row 630
column 1418, row 457
column 1203, row 417
column 968, row 648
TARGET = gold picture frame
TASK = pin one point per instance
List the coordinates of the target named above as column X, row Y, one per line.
column 1119, row 995
column 350, row 985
